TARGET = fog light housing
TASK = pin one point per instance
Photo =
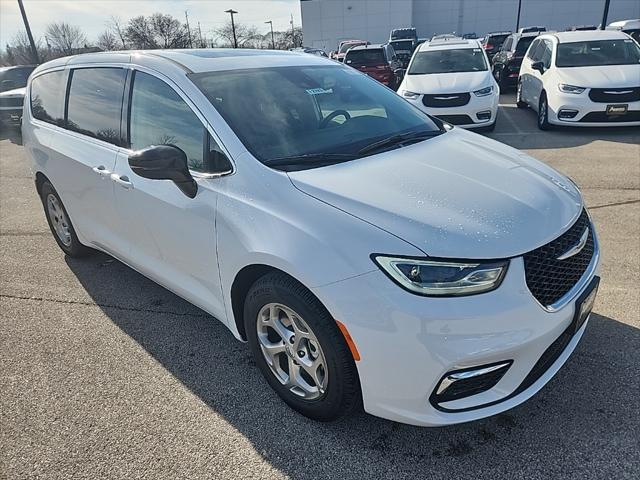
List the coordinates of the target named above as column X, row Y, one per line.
column 567, row 113
column 484, row 115
column 463, row 383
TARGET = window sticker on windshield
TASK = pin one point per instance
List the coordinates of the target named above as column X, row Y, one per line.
column 319, row 91
column 477, row 50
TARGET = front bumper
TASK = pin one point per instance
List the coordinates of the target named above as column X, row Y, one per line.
column 465, row 116
column 407, row 343
column 588, row 112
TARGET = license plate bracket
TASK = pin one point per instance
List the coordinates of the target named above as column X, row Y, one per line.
column 617, row 109
column 584, row 304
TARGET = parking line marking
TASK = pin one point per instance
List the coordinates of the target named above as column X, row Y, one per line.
column 513, row 123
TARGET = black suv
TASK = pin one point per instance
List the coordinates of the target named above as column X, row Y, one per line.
column 493, row 41
column 506, row 63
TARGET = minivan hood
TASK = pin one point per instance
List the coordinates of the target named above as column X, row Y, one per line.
column 447, row 82
column 458, row 195
column 609, row 76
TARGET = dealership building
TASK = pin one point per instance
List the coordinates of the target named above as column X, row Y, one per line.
column 326, row 22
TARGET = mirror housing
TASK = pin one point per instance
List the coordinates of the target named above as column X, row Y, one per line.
column 164, row 162
column 539, row 66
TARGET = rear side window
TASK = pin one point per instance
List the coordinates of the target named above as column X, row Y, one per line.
column 95, row 102
column 47, row 92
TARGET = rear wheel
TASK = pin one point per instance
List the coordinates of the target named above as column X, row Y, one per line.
column 299, row 348
column 60, row 224
column 543, row 113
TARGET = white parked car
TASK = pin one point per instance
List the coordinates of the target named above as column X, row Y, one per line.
column 451, row 79
column 366, row 251
column 582, row 78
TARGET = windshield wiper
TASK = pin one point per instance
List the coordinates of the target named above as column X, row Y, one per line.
column 310, row 160
column 398, row 139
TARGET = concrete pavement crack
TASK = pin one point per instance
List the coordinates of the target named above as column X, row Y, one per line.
column 101, row 305
column 615, row 204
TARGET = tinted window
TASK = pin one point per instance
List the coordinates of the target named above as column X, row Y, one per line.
column 506, row 46
column 405, row 45
column 14, row 78
column 95, row 102
column 47, row 93
column 535, row 52
column 370, row 56
column 159, row 116
column 496, row 40
column 599, row 52
column 545, row 56
column 292, row 111
column 523, row 44
column 448, row 61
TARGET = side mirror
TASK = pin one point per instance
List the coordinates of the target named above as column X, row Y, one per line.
column 400, row 73
column 539, row 66
column 164, row 162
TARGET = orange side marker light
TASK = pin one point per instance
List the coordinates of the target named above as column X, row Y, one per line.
column 349, row 340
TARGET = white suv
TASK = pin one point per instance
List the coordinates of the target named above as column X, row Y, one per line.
column 583, row 78
column 451, row 79
column 366, row 251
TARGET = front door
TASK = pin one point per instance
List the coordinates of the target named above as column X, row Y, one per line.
column 170, row 237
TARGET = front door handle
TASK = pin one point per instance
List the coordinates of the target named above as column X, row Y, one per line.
column 122, row 180
column 102, row 171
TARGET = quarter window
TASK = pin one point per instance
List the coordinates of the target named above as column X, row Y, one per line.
column 545, row 57
column 159, row 116
column 535, row 51
column 47, row 92
column 95, row 102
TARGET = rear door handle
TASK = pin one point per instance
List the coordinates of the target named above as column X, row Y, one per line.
column 102, row 171
column 122, row 180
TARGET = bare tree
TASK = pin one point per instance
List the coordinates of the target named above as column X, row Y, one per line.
column 65, row 37
column 107, row 41
column 156, row 31
column 18, row 51
column 247, row 36
column 115, row 25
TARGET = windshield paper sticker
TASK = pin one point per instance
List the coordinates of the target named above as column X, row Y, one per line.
column 319, row 91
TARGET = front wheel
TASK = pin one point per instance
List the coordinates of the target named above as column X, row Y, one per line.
column 299, row 348
column 543, row 113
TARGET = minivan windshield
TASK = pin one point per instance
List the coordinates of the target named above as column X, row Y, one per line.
column 306, row 112
column 598, row 53
column 448, row 61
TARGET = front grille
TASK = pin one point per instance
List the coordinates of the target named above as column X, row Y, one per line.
column 602, row 117
column 444, row 100
column 607, row 95
column 456, row 119
column 548, row 278
column 11, row 102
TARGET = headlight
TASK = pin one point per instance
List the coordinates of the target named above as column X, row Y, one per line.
column 411, row 95
column 570, row 88
column 442, row 277
column 483, row 92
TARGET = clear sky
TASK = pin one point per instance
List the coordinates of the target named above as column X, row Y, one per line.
column 92, row 15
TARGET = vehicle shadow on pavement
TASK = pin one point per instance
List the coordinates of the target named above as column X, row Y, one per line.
column 12, row 133
column 591, row 404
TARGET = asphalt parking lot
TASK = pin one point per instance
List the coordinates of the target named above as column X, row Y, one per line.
column 104, row 374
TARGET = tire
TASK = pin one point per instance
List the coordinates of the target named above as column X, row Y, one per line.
column 273, row 300
column 519, row 102
column 543, row 113
column 60, row 224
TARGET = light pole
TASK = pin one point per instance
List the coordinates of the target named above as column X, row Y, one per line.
column 273, row 42
column 605, row 14
column 231, row 12
column 34, row 50
column 518, row 21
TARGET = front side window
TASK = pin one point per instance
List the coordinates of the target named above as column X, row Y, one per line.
column 293, row 111
column 598, row 53
column 535, row 52
column 47, row 92
column 365, row 57
column 448, row 61
column 95, row 102
column 159, row 116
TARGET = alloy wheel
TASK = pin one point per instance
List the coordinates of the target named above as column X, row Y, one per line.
column 292, row 351
column 59, row 220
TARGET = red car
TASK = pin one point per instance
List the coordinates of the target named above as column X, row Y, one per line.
column 377, row 61
column 344, row 46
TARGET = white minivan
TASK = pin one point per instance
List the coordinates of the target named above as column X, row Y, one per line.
column 452, row 80
column 368, row 253
column 582, row 78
